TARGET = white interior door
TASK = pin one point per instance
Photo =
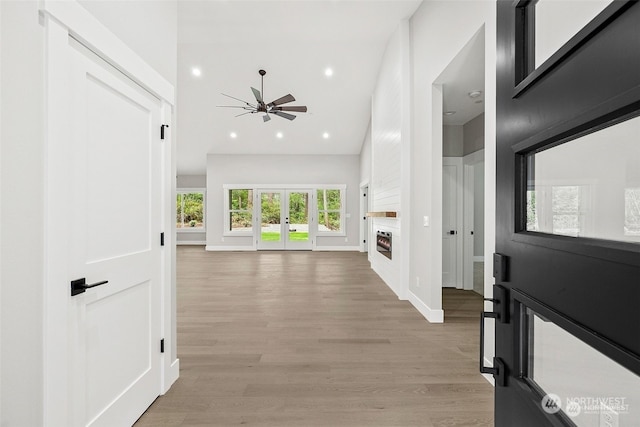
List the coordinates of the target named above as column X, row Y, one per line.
column 449, row 225
column 114, row 232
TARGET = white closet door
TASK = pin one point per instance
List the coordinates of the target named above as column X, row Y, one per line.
column 114, row 235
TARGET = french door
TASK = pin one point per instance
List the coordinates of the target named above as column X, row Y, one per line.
column 284, row 218
column 567, row 262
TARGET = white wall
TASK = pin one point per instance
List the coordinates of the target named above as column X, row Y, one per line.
column 390, row 170
column 439, row 30
column 149, row 27
column 23, row 184
column 365, row 157
column 265, row 170
column 452, row 141
column 22, row 213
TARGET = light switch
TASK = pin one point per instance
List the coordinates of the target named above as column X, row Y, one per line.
column 425, row 221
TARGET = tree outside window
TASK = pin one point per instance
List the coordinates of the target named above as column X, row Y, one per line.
column 329, row 210
column 240, row 210
column 190, row 210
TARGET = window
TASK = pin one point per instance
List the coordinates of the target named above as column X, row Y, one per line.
column 330, row 210
column 190, row 210
column 239, row 211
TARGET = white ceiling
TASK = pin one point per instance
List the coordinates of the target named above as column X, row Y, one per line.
column 462, row 76
column 294, row 41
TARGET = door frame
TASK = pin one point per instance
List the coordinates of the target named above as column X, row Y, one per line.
column 459, row 201
column 470, row 162
column 63, row 20
column 285, row 243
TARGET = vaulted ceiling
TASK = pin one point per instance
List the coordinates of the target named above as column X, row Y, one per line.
column 295, row 42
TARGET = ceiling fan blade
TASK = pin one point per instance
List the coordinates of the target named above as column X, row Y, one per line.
column 283, row 100
column 285, row 115
column 248, row 112
column 237, row 99
column 299, row 109
column 236, row 106
column 266, row 118
column 257, row 94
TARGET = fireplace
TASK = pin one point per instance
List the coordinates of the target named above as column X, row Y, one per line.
column 383, row 243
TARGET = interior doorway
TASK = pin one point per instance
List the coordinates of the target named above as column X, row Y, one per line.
column 365, row 223
column 462, row 85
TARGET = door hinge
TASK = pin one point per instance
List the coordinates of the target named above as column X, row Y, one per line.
column 162, row 239
column 162, row 345
column 162, row 130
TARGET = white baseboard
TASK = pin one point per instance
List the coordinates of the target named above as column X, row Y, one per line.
column 478, row 258
column 190, row 242
column 433, row 316
column 171, row 375
column 337, row 248
column 229, row 248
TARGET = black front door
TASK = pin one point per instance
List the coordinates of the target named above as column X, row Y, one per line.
column 567, row 262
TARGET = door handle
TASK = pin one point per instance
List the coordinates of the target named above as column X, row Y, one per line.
column 500, row 302
column 498, row 369
column 80, row 285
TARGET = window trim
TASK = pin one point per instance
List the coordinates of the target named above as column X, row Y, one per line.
column 188, row 190
column 226, row 217
column 342, row 210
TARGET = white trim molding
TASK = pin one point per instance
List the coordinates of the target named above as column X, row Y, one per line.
column 191, row 243
column 433, row 316
column 213, row 248
column 337, row 248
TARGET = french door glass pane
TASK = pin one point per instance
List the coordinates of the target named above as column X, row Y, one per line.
column 586, row 385
column 270, row 214
column 588, row 187
column 299, row 216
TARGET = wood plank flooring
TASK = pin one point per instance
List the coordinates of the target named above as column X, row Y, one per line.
column 316, row 339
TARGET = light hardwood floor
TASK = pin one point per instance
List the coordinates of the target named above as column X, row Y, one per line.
column 316, row 339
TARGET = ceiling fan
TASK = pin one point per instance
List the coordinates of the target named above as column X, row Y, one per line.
column 274, row 107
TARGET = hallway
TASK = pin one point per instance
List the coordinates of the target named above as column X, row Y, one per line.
column 316, row 339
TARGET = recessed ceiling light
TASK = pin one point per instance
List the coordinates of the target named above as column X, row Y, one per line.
column 325, row 135
column 328, row 72
column 449, row 113
column 196, row 71
column 279, row 135
column 475, row 93
column 233, row 135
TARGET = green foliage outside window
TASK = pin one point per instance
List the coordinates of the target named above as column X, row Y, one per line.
column 240, row 209
column 190, row 210
column 329, row 208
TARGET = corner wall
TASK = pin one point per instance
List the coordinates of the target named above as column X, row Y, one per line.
column 390, row 165
column 439, row 30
